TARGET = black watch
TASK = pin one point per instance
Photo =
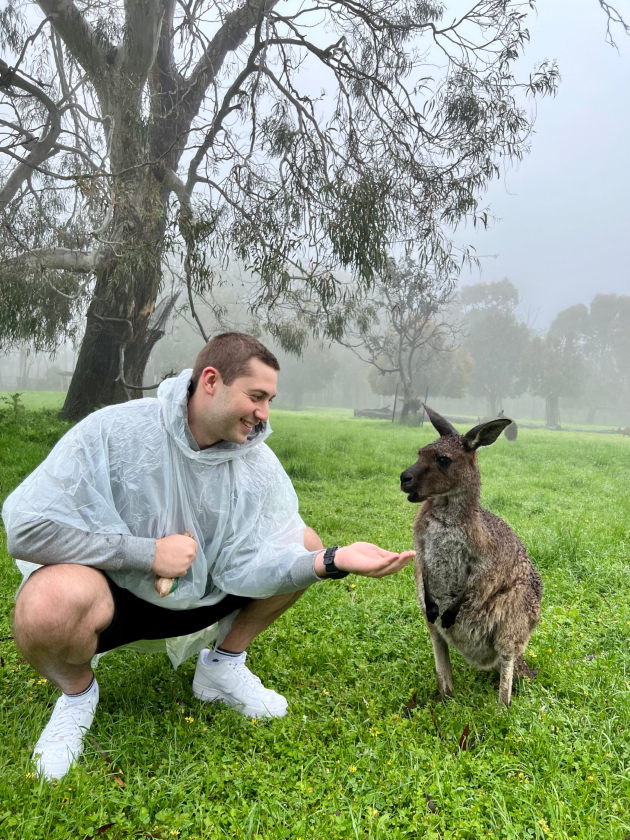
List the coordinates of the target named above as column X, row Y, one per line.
column 329, row 564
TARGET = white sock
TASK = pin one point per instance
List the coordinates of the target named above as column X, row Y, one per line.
column 216, row 655
column 84, row 695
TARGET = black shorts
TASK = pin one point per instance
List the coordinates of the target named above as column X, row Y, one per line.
column 135, row 619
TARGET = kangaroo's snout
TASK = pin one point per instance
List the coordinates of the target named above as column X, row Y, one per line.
column 406, row 480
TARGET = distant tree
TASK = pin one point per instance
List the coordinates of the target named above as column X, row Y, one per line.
column 141, row 131
column 403, row 325
column 444, row 374
column 385, row 384
column 603, row 335
column 497, row 341
column 311, row 372
column 556, row 369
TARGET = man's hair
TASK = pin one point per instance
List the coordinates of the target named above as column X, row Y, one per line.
column 230, row 354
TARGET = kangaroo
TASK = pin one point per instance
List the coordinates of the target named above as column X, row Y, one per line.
column 477, row 588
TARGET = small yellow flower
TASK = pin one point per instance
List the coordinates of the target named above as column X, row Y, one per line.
column 310, row 790
column 608, row 755
column 254, row 720
column 174, row 832
column 352, row 768
column 30, row 775
column 189, row 719
column 590, row 778
column 374, row 732
column 550, row 650
column 324, row 692
column 352, row 586
column 42, row 681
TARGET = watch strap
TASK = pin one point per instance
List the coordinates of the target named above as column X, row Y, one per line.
column 332, row 571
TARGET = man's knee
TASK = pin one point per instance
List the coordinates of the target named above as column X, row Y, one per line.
column 312, row 541
column 56, row 600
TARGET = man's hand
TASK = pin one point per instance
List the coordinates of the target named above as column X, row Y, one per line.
column 365, row 559
column 173, row 556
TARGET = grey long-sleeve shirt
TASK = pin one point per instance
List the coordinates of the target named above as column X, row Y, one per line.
column 49, row 543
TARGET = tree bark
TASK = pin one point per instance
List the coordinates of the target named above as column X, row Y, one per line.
column 552, row 411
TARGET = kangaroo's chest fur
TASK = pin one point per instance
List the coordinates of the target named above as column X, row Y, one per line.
column 448, row 560
column 451, row 571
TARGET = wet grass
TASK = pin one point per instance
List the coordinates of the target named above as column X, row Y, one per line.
column 350, row 761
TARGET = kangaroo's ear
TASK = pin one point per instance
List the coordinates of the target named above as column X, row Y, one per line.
column 439, row 423
column 485, row 434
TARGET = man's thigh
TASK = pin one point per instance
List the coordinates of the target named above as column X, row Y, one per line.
column 62, row 596
column 136, row 620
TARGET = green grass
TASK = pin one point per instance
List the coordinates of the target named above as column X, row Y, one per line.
column 347, row 762
column 36, row 400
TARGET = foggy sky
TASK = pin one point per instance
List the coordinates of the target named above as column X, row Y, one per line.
column 564, row 212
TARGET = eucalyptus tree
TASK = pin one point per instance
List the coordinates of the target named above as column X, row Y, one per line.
column 498, row 341
column 556, row 369
column 403, row 326
column 302, row 139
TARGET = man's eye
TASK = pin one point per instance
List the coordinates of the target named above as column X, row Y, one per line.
column 443, row 461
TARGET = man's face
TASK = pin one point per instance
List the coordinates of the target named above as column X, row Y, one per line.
column 235, row 409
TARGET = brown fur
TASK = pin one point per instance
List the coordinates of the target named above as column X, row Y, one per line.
column 476, row 585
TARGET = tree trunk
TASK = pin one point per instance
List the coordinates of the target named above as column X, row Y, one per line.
column 118, row 316
column 407, row 402
column 552, row 411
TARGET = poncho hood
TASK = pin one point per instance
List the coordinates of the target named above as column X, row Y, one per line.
column 173, row 398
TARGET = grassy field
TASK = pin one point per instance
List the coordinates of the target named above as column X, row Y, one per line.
column 35, row 400
column 350, row 760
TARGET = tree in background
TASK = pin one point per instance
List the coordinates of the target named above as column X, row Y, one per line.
column 403, row 327
column 142, row 132
column 497, row 341
column 556, row 369
column 603, row 334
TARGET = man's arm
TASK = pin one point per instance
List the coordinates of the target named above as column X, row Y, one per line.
column 366, row 560
column 49, row 543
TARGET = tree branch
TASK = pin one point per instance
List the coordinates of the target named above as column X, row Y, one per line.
column 43, row 147
column 227, row 39
column 80, row 38
column 65, row 259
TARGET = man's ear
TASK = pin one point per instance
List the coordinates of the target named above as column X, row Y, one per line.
column 485, row 434
column 209, row 379
column 440, row 424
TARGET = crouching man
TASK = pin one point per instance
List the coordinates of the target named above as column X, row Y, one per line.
column 105, row 514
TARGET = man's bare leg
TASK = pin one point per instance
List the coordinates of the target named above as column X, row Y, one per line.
column 59, row 614
column 258, row 615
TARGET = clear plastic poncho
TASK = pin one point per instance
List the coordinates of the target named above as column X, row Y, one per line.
column 129, row 469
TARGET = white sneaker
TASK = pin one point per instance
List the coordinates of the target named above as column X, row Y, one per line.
column 61, row 743
column 233, row 683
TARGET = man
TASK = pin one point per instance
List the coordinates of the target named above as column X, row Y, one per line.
column 106, row 513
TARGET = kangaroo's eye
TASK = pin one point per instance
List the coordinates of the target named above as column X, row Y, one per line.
column 444, row 461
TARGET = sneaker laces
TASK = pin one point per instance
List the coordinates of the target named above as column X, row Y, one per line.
column 65, row 721
column 244, row 673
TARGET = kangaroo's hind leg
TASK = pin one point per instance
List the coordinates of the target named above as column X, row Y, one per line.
column 522, row 669
column 442, row 663
column 507, row 675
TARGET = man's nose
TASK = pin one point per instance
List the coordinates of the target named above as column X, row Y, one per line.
column 261, row 412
